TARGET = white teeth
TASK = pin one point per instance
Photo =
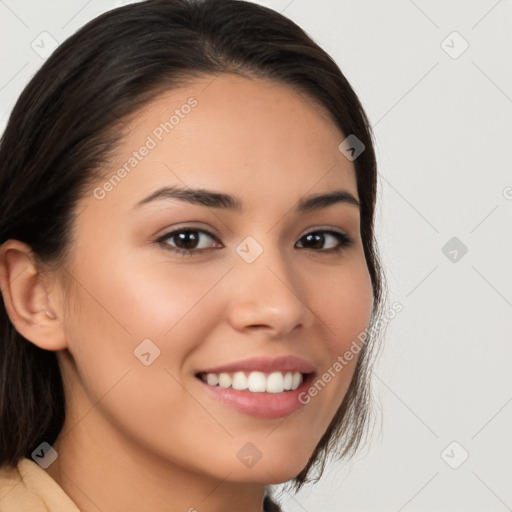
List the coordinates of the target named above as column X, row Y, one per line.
column 212, row 379
column 296, row 380
column 287, row 381
column 224, row 380
column 256, row 382
column 239, row 381
column 275, row 383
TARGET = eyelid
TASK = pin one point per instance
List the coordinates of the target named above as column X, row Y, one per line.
column 328, row 229
column 324, row 229
column 190, row 226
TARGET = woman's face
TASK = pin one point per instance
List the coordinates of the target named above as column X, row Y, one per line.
column 253, row 292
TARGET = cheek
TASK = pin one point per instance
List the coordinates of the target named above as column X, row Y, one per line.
column 121, row 303
column 344, row 311
column 124, row 301
column 345, row 305
column 151, row 298
column 168, row 302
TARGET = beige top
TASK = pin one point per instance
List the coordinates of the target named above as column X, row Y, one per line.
column 28, row 487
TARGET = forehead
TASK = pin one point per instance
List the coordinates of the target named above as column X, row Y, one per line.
column 250, row 137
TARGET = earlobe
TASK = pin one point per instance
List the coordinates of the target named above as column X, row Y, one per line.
column 27, row 299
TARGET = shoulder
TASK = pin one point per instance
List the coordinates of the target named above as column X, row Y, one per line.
column 29, row 487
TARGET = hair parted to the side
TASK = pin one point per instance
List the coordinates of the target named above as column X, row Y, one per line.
column 67, row 122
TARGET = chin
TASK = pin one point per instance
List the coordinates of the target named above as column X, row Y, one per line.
column 272, row 472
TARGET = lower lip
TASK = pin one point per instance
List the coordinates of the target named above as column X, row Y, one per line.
column 262, row 405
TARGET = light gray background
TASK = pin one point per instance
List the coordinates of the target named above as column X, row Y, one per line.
column 443, row 127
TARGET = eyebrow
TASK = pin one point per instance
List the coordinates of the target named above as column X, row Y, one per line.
column 204, row 197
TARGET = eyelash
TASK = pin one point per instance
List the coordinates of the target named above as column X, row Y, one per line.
column 344, row 241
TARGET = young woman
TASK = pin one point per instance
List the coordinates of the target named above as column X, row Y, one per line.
column 188, row 267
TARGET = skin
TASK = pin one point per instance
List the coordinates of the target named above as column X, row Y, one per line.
column 142, row 437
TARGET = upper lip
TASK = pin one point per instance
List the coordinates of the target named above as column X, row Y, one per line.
column 264, row 364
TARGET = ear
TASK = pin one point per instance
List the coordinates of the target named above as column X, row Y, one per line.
column 35, row 314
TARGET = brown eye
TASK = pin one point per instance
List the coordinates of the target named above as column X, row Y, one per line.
column 188, row 241
column 316, row 240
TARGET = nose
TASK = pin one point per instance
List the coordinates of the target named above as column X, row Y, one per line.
column 268, row 295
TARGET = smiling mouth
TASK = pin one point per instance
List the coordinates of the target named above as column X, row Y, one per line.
column 256, row 381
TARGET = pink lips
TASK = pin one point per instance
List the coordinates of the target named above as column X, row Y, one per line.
column 262, row 405
column 264, row 364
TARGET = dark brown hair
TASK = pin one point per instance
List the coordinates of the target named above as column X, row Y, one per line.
column 65, row 125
